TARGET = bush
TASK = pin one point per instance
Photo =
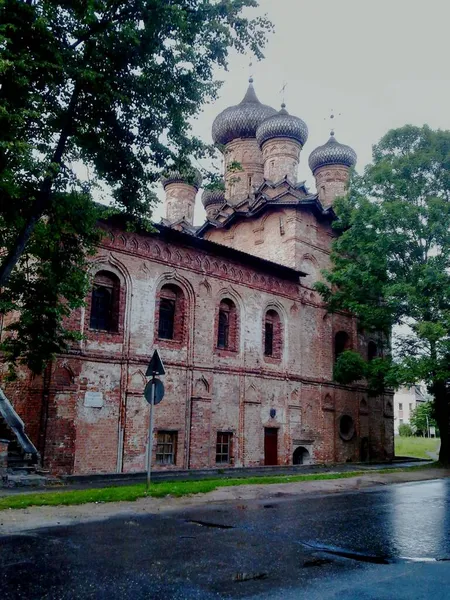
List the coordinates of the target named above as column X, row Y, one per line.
column 405, row 430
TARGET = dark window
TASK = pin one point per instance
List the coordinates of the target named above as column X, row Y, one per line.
column 166, row 318
column 268, row 339
column 223, row 448
column 272, row 335
column 372, row 351
column 400, row 406
column 104, row 302
column 171, row 313
column 224, row 329
column 227, row 326
column 410, row 407
column 166, row 449
column 341, row 343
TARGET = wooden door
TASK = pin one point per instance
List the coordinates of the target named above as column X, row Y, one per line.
column 270, row 446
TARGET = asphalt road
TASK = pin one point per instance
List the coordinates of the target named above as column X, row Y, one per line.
column 391, row 542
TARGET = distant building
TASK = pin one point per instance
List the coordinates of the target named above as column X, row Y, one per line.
column 406, row 400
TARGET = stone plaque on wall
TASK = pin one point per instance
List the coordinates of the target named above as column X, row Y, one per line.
column 93, row 399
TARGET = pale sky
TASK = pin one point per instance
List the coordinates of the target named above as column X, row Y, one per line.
column 381, row 64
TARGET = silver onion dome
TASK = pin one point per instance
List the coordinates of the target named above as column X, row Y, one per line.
column 282, row 125
column 192, row 177
column 332, row 153
column 241, row 120
column 210, row 197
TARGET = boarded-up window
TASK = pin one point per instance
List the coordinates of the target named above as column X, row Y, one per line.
column 223, row 447
column 166, row 449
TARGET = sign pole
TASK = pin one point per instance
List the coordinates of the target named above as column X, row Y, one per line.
column 150, row 435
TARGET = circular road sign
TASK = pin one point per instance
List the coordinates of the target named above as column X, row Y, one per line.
column 158, row 391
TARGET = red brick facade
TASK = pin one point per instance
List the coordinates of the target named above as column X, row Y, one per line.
column 208, row 389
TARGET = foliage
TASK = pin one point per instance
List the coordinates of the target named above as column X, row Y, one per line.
column 391, row 261
column 423, row 417
column 349, row 367
column 405, row 430
column 106, row 88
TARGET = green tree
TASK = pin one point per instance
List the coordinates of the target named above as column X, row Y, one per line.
column 405, row 430
column 423, row 417
column 391, row 262
column 111, row 85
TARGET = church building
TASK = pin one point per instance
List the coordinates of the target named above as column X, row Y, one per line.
column 247, row 342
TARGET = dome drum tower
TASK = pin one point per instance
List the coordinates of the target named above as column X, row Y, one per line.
column 181, row 191
column 281, row 139
column 235, row 129
column 331, row 164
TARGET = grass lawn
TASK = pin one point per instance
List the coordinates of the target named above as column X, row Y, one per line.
column 160, row 490
column 415, row 446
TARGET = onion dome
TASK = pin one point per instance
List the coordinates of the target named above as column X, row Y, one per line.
column 192, row 177
column 332, row 153
column 241, row 120
column 210, row 197
column 282, row 125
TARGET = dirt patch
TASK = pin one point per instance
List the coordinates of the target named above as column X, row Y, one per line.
column 15, row 521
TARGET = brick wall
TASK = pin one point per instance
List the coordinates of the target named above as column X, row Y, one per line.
column 249, row 176
column 331, row 182
column 180, row 202
column 207, row 389
column 281, row 159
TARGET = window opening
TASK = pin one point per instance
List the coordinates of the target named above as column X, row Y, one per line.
column 372, row 351
column 341, row 343
column 166, row 448
column 104, row 300
column 268, row 339
column 223, row 447
column 166, row 318
column 223, row 334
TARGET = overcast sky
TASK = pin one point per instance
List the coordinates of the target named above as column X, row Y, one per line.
column 380, row 64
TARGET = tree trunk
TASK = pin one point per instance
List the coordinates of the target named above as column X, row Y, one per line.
column 441, row 398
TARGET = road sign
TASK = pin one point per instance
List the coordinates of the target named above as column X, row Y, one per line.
column 157, row 393
column 155, row 366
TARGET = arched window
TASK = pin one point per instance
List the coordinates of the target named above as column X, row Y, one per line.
column 372, row 351
column 272, row 334
column 171, row 313
column 105, row 302
column 341, row 343
column 227, row 326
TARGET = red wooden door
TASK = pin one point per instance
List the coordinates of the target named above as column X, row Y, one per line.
column 270, row 446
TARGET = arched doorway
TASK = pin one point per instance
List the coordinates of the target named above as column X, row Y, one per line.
column 301, row 456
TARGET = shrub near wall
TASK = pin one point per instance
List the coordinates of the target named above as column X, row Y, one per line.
column 405, row 430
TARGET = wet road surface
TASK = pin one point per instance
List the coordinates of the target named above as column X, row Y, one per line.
column 391, row 542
